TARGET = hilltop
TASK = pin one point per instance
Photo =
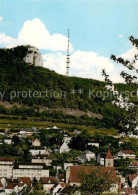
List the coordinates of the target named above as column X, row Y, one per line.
column 26, row 86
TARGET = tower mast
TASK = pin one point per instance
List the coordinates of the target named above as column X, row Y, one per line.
column 68, row 57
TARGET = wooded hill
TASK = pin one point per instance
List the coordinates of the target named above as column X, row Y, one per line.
column 62, row 91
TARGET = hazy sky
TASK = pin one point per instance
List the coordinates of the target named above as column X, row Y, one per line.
column 98, row 28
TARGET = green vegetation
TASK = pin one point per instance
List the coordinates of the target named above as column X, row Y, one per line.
column 18, row 79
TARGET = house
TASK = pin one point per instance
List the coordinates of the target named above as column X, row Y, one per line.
column 67, row 138
column 22, row 132
column 8, row 141
column 129, row 191
column 40, row 150
column 61, row 178
column 25, row 180
column 6, row 167
column 92, row 142
column 3, row 183
column 55, row 128
column 36, row 142
column 14, row 187
column 121, row 142
column 28, row 131
column 89, row 155
column 42, row 158
column 69, row 190
column 72, row 173
column 133, row 180
column 101, row 159
column 31, row 170
column 106, row 159
column 64, row 148
column 10, row 188
column 126, row 154
column 68, row 164
column 134, row 166
column 56, row 190
column 86, row 156
column 48, row 183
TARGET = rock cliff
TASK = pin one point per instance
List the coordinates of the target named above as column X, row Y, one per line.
column 33, row 56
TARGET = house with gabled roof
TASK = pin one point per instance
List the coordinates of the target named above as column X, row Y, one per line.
column 134, row 166
column 64, row 148
column 93, row 142
column 56, row 190
column 72, row 174
column 133, row 180
column 36, row 142
column 48, row 183
column 126, row 154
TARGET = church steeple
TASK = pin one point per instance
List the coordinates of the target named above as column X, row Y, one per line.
column 109, row 159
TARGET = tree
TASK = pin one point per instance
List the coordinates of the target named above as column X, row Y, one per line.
column 96, row 181
column 80, row 142
column 38, row 189
column 126, row 123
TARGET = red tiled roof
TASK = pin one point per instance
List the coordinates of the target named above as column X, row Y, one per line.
column 35, row 140
column 64, row 185
column 6, row 159
column 132, row 177
column 127, row 151
column 25, row 180
column 122, row 140
column 129, row 191
column 48, row 180
column 109, row 155
column 75, row 170
column 10, row 186
column 134, row 164
column 60, row 177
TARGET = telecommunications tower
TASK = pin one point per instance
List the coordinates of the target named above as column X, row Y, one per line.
column 68, row 57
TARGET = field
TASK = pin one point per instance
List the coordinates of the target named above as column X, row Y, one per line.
column 14, row 122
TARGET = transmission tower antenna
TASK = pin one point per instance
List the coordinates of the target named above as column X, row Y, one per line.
column 68, row 58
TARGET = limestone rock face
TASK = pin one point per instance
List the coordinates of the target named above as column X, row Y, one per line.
column 33, row 56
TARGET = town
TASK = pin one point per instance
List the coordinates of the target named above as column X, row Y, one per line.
column 51, row 160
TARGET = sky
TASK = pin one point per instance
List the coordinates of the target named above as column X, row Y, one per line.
column 98, row 28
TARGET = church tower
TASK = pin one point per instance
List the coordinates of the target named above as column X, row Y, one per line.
column 109, row 160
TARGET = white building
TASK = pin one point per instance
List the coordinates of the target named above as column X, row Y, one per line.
column 101, row 159
column 64, row 148
column 42, row 159
column 8, row 141
column 68, row 164
column 6, row 167
column 133, row 180
column 48, row 183
column 22, row 132
column 126, row 154
column 36, row 142
column 89, row 155
column 31, row 170
column 92, row 142
column 35, row 151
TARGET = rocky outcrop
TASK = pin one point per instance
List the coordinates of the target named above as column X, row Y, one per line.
column 33, row 56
